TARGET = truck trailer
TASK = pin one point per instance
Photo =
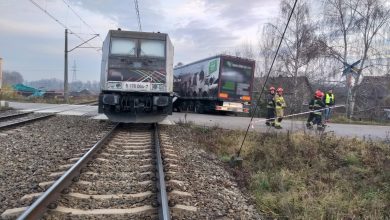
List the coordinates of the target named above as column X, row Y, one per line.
column 219, row 83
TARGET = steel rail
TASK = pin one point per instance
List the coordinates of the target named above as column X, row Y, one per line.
column 24, row 121
column 38, row 208
column 162, row 197
column 3, row 117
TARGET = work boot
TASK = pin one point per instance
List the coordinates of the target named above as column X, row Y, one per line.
column 278, row 127
column 321, row 127
column 309, row 125
column 267, row 123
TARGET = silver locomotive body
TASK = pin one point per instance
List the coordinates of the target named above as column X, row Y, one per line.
column 136, row 77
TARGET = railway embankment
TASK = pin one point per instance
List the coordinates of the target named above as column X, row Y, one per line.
column 299, row 176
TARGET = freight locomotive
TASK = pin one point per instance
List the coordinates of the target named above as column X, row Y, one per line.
column 136, row 77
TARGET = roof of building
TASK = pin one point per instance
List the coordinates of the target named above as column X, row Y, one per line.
column 287, row 83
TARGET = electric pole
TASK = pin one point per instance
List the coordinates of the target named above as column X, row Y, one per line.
column 66, row 86
column 1, row 73
column 74, row 70
column 66, row 94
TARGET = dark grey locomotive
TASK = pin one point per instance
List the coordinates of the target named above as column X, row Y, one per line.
column 136, row 77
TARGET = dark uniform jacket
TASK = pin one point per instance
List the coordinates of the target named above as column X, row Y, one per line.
column 270, row 101
column 316, row 104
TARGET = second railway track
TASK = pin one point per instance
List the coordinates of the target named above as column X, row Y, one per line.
column 14, row 119
column 123, row 176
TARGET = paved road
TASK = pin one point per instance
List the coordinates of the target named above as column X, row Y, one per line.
column 229, row 122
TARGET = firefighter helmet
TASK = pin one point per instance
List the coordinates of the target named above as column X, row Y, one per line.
column 279, row 89
column 319, row 94
column 271, row 88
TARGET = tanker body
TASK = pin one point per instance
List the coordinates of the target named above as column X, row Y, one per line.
column 136, row 77
column 220, row 83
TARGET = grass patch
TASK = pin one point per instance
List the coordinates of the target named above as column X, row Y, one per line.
column 341, row 119
column 298, row 176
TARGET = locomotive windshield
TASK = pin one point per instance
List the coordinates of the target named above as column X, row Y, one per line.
column 235, row 79
column 123, row 46
column 128, row 47
column 152, row 48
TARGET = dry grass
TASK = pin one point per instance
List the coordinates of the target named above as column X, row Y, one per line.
column 298, row 176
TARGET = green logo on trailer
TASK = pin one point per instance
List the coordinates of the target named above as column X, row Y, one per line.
column 212, row 66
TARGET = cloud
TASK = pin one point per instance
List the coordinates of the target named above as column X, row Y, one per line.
column 123, row 12
column 31, row 40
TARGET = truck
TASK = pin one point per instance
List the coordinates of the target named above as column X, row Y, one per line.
column 220, row 83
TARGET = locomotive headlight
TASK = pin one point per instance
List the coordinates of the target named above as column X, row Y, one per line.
column 161, row 100
column 114, row 85
column 158, row 87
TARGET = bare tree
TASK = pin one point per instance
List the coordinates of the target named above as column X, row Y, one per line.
column 12, row 78
column 372, row 16
column 299, row 48
column 358, row 22
column 267, row 45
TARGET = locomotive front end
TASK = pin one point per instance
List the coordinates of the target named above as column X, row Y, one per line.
column 137, row 77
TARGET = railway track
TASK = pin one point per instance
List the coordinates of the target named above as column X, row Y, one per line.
column 128, row 174
column 9, row 120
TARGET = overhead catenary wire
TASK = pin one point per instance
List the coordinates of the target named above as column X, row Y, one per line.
column 138, row 15
column 58, row 21
column 266, row 79
column 81, row 19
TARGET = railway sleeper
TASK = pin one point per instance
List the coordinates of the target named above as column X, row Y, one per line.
column 141, row 212
column 92, row 201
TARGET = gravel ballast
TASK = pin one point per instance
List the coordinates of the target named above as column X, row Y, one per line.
column 31, row 151
column 214, row 191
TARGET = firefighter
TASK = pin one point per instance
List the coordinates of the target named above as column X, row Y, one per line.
column 270, row 107
column 315, row 118
column 280, row 105
column 329, row 102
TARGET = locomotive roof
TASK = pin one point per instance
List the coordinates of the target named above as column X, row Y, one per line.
column 137, row 34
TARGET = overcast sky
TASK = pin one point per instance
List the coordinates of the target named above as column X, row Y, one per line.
column 32, row 43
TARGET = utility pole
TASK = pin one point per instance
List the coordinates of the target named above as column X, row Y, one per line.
column 66, row 92
column 74, row 70
column 66, row 85
column 348, row 80
column 1, row 73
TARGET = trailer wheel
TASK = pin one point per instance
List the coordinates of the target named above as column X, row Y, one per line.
column 199, row 108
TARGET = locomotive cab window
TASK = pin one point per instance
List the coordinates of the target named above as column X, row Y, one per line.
column 152, row 48
column 123, row 46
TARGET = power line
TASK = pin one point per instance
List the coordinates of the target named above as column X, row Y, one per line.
column 81, row 19
column 51, row 16
column 58, row 21
column 138, row 16
column 266, row 79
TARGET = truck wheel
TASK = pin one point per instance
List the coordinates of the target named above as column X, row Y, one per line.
column 199, row 108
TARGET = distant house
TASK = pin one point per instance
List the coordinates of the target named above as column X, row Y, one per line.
column 82, row 93
column 297, row 92
column 373, row 97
